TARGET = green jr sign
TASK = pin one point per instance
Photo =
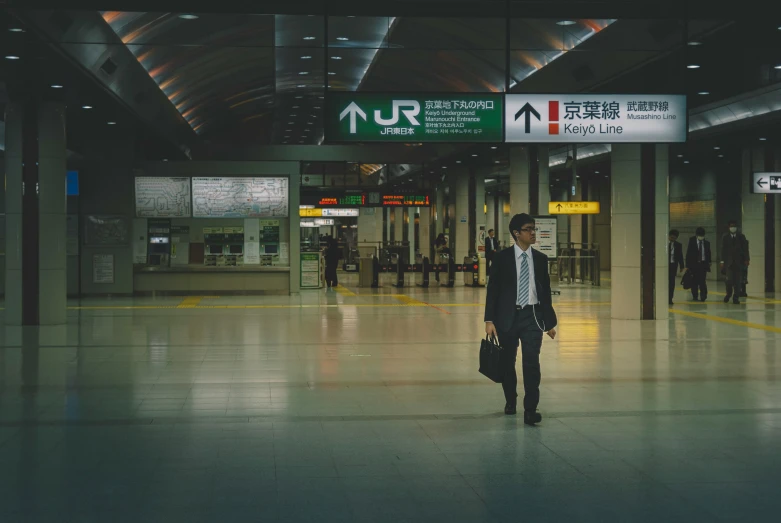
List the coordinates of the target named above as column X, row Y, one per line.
column 368, row 117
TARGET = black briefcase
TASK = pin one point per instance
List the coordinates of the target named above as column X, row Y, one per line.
column 490, row 359
column 688, row 280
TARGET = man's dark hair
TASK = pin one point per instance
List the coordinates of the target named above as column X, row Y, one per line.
column 518, row 221
column 490, row 231
column 674, row 232
column 700, row 231
column 732, row 222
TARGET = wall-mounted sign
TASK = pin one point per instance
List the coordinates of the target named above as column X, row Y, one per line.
column 368, row 117
column 573, row 208
column 335, row 213
column 102, row 268
column 593, row 118
column 162, row 197
column 317, row 222
column 766, row 183
column 547, row 230
column 229, row 197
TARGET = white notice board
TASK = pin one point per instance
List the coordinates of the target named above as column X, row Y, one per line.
column 547, row 229
column 103, row 268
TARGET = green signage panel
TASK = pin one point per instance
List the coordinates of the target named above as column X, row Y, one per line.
column 370, row 117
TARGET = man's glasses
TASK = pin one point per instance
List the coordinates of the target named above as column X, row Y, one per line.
column 530, row 229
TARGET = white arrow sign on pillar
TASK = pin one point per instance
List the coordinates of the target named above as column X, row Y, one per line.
column 353, row 111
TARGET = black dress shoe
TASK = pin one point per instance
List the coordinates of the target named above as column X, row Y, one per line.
column 726, row 299
column 509, row 409
column 736, row 301
column 530, row 418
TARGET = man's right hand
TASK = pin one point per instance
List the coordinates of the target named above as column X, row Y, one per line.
column 490, row 329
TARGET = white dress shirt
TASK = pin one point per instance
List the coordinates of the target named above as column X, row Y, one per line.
column 671, row 250
column 530, row 261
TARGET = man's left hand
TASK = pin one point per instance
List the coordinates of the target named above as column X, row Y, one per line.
column 551, row 333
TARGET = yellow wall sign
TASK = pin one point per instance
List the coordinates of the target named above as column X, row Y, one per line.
column 573, row 208
column 310, row 213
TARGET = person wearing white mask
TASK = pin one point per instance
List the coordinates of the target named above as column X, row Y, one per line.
column 734, row 256
column 698, row 260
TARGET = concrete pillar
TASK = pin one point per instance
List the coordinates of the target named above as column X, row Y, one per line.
column 640, row 221
column 424, row 226
column 370, row 221
column 440, row 211
column 777, row 228
column 413, row 246
column 480, row 211
column 14, row 118
column 505, row 214
column 490, row 214
column 460, row 223
column 386, row 220
column 49, row 305
column 752, row 223
column 519, row 180
column 398, row 223
column 294, row 186
column 543, row 187
column 575, row 220
column 52, row 277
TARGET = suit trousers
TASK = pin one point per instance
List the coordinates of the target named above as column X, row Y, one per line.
column 699, row 285
column 673, row 278
column 525, row 330
column 734, row 280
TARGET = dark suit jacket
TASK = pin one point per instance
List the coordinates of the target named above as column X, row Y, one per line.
column 734, row 251
column 677, row 254
column 693, row 254
column 490, row 245
column 503, row 291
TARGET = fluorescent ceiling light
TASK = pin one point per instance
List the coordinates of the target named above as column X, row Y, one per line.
column 692, row 66
column 694, row 43
column 12, row 57
column 16, row 30
column 342, row 38
column 331, row 73
column 309, row 38
column 303, row 72
column 336, row 58
column 306, row 57
column 566, row 22
column 86, row 107
column 300, row 86
column 56, row 86
column 111, row 123
column 704, row 93
column 188, row 16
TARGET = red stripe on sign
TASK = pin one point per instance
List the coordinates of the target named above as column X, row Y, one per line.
column 553, row 111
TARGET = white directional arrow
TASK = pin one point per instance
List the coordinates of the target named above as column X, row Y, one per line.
column 354, row 111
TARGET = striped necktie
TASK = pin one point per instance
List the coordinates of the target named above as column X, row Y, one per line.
column 523, row 282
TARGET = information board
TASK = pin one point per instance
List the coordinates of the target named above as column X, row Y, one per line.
column 340, row 198
column 310, row 270
column 162, row 197
column 240, row 197
column 369, row 117
column 766, row 183
column 103, row 268
column 547, row 229
column 106, row 230
column 595, row 118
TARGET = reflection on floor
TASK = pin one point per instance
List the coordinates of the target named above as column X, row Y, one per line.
column 365, row 405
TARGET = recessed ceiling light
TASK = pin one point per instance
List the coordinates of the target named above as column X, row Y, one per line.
column 307, row 57
column 458, row 161
column 566, row 22
column 165, row 159
column 303, row 72
column 309, row 123
column 306, row 130
column 694, row 43
column 716, row 148
column 11, row 57
column 86, row 107
column 317, row 107
column 474, row 156
column 596, row 172
column 493, row 147
column 299, row 97
column 16, row 30
column 188, row 16
column 721, row 156
column 288, row 130
column 496, row 161
column 300, row 86
column 763, row 139
column 331, row 73
column 680, row 156
column 111, row 123
column 777, row 67
column 336, row 58
column 309, row 38
column 693, row 66
column 56, row 86
column 342, row 38
column 703, row 93
column 686, row 161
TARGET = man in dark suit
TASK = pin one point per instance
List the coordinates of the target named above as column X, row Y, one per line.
column 734, row 256
column 675, row 259
column 698, row 260
column 519, row 306
column 491, row 247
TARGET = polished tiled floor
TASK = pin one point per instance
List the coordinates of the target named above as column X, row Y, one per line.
column 366, row 406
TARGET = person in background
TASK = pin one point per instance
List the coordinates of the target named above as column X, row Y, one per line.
column 440, row 247
column 675, row 258
column 698, row 260
column 491, row 246
column 332, row 256
column 734, row 257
